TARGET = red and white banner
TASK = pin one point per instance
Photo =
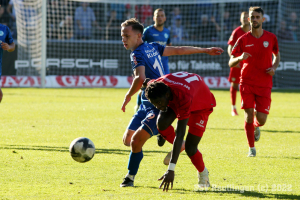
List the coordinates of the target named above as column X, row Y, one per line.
column 90, row 81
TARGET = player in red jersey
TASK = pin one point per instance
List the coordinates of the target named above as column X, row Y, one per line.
column 235, row 72
column 255, row 49
column 184, row 96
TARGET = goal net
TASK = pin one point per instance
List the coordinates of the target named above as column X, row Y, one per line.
column 83, row 37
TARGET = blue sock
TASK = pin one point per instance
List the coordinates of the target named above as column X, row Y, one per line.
column 134, row 162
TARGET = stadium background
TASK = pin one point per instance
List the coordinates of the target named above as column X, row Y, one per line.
column 203, row 23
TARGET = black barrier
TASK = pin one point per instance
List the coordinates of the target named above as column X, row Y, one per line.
column 95, row 57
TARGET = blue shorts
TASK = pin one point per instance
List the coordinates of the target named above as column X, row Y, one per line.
column 145, row 118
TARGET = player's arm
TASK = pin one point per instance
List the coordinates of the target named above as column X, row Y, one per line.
column 187, row 50
column 229, row 49
column 235, row 60
column 168, row 177
column 139, row 77
column 8, row 47
column 275, row 64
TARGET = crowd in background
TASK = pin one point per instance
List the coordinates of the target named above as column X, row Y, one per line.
column 67, row 20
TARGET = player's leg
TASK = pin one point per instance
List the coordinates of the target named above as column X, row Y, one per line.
column 165, row 128
column 233, row 91
column 197, row 125
column 248, row 101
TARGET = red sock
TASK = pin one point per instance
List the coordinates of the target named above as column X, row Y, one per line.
column 233, row 95
column 168, row 134
column 255, row 123
column 197, row 161
column 249, row 128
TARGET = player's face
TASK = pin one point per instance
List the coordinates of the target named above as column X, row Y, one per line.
column 244, row 19
column 159, row 18
column 129, row 38
column 256, row 19
column 161, row 103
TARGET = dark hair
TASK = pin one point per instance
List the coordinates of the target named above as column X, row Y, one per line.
column 257, row 9
column 136, row 25
column 156, row 89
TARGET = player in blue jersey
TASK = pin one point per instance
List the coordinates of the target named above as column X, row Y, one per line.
column 7, row 44
column 159, row 34
column 146, row 63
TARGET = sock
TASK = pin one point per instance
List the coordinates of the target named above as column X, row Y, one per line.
column 130, row 176
column 197, row 161
column 168, row 134
column 233, row 95
column 249, row 128
column 255, row 123
column 134, row 162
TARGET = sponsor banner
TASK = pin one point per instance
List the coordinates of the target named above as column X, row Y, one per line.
column 89, row 81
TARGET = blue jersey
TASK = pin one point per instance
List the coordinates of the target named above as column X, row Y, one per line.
column 149, row 56
column 5, row 36
column 151, row 34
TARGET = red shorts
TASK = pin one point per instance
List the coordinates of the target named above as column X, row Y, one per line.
column 255, row 97
column 234, row 75
column 198, row 120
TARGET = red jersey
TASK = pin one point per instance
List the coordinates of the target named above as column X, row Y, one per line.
column 190, row 93
column 261, row 50
column 236, row 33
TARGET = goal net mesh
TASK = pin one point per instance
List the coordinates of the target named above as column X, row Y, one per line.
column 83, row 38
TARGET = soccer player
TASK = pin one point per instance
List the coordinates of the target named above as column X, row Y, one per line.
column 7, row 44
column 255, row 50
column 184, row 96
column 159, row 34
column 146, row 63
column 235, row 72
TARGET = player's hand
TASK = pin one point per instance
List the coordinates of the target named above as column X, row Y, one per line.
column 271, row 71
column 125, row 102
column 167, row 178
column 213, row 51
column 244, row 56
column 5, row 46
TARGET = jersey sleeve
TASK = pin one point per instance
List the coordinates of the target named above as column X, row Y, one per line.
column 159, row 48
column 136, row 60
column 275, row 49
column 232, row 38
column 237, row 48
column 145, row 36
column 8, row 38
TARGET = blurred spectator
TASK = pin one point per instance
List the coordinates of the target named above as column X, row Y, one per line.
column 4, row 17
column 120, row 10
column 283, row 33
column 113, row 27
column 267, row 24
column 178, row 32
column 128, row 14
column 293, row 26
column 175, row 15
column 207, row 30
column 227, row 24
column 148, row 21
column 146, row 11
column 84, row 19
column 66, row 24
column 53, row 19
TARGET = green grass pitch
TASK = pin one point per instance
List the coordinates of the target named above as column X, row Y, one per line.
column 38, row 125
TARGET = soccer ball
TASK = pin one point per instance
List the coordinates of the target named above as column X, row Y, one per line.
column 82, row 149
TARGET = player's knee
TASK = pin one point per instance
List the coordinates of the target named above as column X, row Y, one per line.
column 190, row 150
column 126, row 142
column 135, row 146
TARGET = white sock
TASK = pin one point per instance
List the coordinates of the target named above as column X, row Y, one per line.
column 233, row 107
column 252, row 148
column 130, row 176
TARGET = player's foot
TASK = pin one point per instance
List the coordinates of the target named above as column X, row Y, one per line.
column 167, row 158
column 252, row 152
column 127, row 182
column 203, row 180
column 234, row 112
column 160, row 140
column 256, row 134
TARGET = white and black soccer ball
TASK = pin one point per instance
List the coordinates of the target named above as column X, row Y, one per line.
column 82, row 149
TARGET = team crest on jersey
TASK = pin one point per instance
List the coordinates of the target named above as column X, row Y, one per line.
column 266, row 44
column 134, row 60
column 166, row 35
column 1, row 33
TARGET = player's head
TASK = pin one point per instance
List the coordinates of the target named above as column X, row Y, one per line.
column 159, row 94
column 159, row 17
column 256, row 17
column 244, row 18
column 131, row 32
